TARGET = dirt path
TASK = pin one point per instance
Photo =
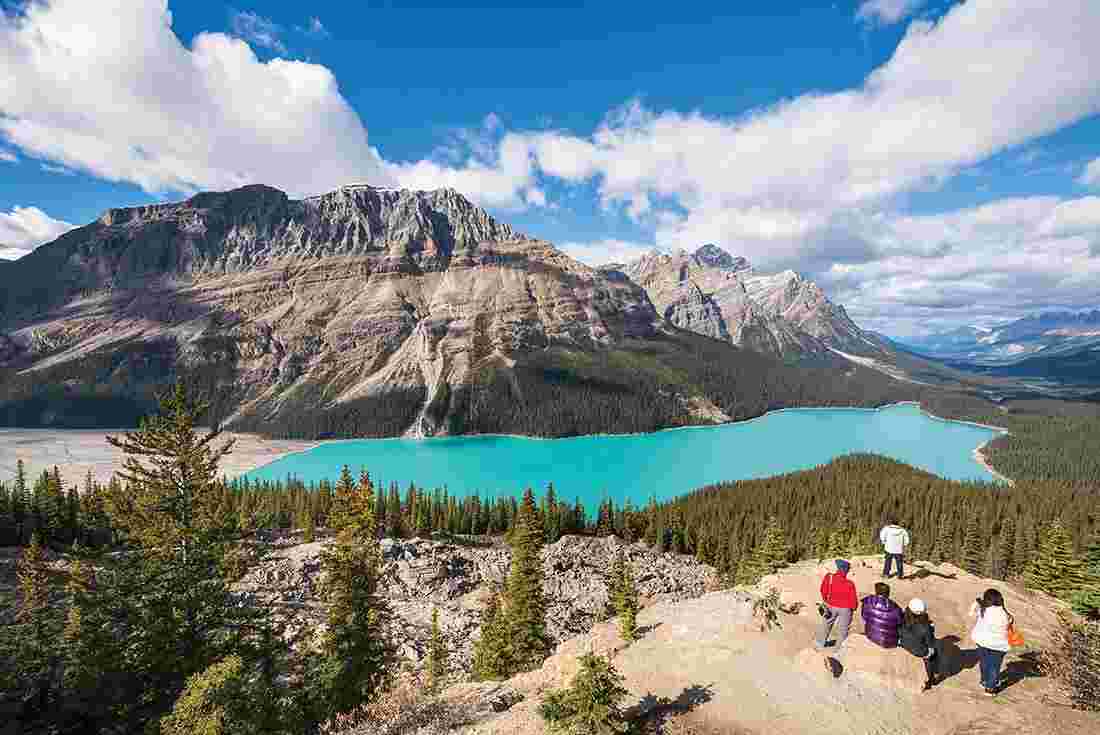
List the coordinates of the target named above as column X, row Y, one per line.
column 707, row 660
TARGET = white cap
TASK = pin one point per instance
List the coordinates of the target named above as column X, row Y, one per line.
column 917, row 605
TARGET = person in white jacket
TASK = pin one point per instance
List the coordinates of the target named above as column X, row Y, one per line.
column 894, row 539
column 991, row 634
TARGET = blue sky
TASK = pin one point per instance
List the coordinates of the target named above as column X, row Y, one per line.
column 929, row 163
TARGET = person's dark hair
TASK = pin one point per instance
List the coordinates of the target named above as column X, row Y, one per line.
column 891, row 520
column 991, row 598
column 882, row 589
column 912, row 618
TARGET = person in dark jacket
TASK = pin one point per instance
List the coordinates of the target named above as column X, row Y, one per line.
column 918, row 637
column 881, row 617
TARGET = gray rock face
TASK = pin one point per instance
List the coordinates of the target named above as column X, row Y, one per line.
column 420, row 576
column 313, row 305
column 712, row 293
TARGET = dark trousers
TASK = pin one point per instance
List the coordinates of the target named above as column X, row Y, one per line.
column 892, row 558
column 990, row 663
column 932, row 663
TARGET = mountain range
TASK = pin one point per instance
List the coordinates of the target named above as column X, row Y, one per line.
column 1060, row 346
column 380, row 312
column 710, row 292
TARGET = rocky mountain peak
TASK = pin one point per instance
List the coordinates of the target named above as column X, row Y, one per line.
column 713, row 293
column 715, row 257
column 372, row 309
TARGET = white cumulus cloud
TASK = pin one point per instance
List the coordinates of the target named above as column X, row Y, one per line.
column 982, row 264
column 1091, row 175
column 258, row 30
column 108, row 88
column 602, row 252
column 779, row 181
column 887, row 12
column 25, row 228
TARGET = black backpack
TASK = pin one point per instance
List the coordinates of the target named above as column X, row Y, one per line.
column 915, row 638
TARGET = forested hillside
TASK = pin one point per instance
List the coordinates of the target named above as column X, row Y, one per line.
column 142, row 597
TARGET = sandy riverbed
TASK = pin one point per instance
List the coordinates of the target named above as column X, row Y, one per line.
column 77, row 451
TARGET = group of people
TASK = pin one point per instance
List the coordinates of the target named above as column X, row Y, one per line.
column 888, row 625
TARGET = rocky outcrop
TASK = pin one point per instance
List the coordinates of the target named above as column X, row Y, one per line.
column 420, row 576
column 377, row 304
column 709, row 665
column 713, row 293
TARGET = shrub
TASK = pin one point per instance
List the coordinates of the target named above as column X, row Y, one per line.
column 406, row 707
column 768, row 608
column 590, row 706
column 215, row 702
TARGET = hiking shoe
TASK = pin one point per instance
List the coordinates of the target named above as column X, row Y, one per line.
column 833, row 667
column 990, row 692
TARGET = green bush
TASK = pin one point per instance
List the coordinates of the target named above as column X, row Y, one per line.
column 590, row 706
column 216, row 701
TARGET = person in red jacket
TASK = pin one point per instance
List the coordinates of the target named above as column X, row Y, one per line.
column 838, row 594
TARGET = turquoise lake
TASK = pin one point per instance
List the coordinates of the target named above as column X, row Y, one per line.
column 663, row 464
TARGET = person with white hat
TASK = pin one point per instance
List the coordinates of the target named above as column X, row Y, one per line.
column 917, row 635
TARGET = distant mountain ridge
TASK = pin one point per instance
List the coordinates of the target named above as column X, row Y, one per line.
column 1013, row 340
column 1061, row 346
column 373, row 312
column 711, row 292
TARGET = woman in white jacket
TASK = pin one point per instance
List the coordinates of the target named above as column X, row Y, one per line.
column 991, row 634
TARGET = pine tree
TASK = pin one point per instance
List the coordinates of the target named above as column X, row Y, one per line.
column 590, row 706
column 1055, row 570
column 20, row 501
column 945, row 541
column 769, row 555
column 53, row 509
column 625, row 597
column 650, row 534
column 491, row 658
column 356, row 653
column 38, row 656
column 819, row 541
column 342, row 498
column 1092, row 552
column 552, row 515
column 5, row 503
column 437, row 654
column 1004, row 566
column 72, row 515
column 172, row 589
column 604, row 521
column 862, row 541
column 973, row 554
column 310, row 527
column 352, row 508
column 394, row 524
column 524, row 606
column 1024, row 550
column 93, row 657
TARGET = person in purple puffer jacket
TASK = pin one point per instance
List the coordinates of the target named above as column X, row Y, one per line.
column 881, row 617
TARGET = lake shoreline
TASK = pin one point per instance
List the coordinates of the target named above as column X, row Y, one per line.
column 253, row 452
column 976, row 454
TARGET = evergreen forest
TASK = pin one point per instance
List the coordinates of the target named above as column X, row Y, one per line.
column 142, row 631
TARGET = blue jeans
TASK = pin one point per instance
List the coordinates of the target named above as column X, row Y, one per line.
column 990, row 663
column 892, row 558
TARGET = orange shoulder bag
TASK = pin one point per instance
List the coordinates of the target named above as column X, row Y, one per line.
column 1015, row 637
